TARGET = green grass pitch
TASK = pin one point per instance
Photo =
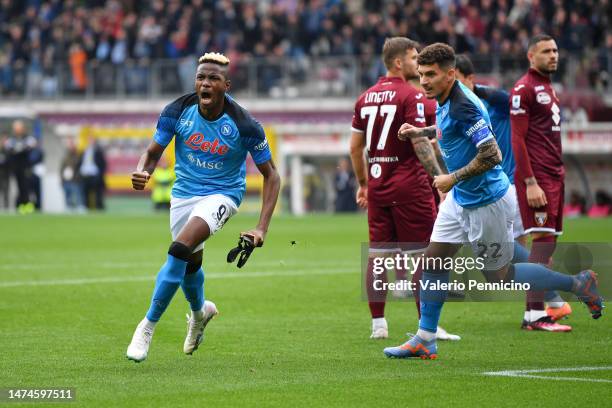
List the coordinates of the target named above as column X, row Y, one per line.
column 293, row 330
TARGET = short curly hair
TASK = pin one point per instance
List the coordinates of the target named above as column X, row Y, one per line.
column 437, row 53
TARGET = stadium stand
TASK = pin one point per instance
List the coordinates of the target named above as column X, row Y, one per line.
column 296, row 64
column 100, row 47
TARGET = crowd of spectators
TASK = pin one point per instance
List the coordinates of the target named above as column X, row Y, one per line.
column 58, row 46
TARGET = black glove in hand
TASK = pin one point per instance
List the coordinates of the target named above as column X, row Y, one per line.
column 244, row 249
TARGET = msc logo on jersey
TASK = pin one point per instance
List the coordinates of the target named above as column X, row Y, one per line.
column 226, row 129
column 197, row 142
column 211, row 165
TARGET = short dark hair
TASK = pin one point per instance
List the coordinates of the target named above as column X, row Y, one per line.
column 464, row 64
column 437, row 53
column 396, row 46
column 539, row 38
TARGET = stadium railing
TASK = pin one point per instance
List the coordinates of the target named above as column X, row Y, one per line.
column 278, row 77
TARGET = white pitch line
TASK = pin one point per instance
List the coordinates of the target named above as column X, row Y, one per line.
column 228, row 275
column 528, row 374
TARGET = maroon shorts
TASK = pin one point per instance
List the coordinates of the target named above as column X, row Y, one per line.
column 548, row 218
column 405, row 226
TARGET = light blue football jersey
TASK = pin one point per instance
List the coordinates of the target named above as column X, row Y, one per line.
column 464, row 124
column 497, row 103
column 211, row 155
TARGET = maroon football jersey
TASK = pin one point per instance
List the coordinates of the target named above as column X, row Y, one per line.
column 430, row 111
column 395, row 174
column 535, row 116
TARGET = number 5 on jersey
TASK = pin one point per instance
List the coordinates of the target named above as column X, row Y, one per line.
column 386, row 111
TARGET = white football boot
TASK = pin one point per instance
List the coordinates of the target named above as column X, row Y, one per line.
column 139, row 347
column 442, row 334
column 195, row 327
column 380, row 329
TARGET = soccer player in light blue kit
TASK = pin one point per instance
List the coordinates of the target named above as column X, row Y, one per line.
column 213, row 135
column 479, row 209
column 497, row 104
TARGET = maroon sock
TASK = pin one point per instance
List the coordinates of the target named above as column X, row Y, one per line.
column 400, row 274
column 376, row 298
column 416, row 278
column 541, row 252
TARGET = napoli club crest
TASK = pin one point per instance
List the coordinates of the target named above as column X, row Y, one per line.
column 226, row 129
column 540, row 218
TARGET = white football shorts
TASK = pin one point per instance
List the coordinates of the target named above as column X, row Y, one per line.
column 488, row 229
column 214, row 209
column 517, row 228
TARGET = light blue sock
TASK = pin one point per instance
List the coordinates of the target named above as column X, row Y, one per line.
column 542, row 278
column 168, row 280
column 193, row 288
column 553, row 296
column 432, row 300
column 521, row 254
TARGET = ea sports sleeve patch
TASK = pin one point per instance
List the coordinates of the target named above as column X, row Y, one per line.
column 257, row 144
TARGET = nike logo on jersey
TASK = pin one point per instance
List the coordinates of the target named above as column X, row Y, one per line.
column 197, row 142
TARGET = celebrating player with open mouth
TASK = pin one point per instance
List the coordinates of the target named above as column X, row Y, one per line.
column 212, row 137
column 479, row 208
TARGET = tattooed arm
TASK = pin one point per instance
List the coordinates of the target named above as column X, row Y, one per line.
column 426, row 155
column 487, row 157
column 438, row 152
column 407, row 131
column 430, row 156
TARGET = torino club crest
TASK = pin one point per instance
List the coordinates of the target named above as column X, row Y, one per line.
column 540, row 218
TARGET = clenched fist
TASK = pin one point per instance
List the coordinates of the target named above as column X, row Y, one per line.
column 140, row 179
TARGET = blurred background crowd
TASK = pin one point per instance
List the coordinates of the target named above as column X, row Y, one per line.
column 297, row 52
column 52, row 47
